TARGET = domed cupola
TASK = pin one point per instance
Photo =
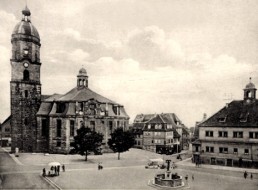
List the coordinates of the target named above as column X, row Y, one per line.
column 82, row 78
column 25, row 27
column 25, row 39
column 250, row 91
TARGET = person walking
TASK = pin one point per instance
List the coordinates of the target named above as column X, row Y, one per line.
column 44, row 172
column 58, row 169
column 251, row 176
column 245, row 174
column 193, row 177
column 63, row 167
column 186, row 179
column 55, row 170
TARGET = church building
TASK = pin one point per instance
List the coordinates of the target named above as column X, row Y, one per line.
column 41, row 123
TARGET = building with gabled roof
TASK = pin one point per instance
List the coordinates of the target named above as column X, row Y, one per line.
column 158, row 132
column 60, row 115
column 230, row 136
column 5, row 132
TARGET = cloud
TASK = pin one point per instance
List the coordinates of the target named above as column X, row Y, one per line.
column 78, row 55
column 72, row 33
column 153, row 48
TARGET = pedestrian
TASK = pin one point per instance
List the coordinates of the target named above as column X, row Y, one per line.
column 186, row 179
column 196, row 164
column 251, row 176
column 44, row 172
column 58, row 169
column 99, row 166
column 192, row 177
column 63, row 167
column 55, row 170
column 245, row 174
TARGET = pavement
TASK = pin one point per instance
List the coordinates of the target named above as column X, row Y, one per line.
column 188, row 162
column 127, row 173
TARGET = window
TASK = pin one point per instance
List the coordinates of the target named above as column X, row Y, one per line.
column 222, row 119
column 58, row 127
column 253, row 135
column 149, row 126
column 92, row 125
column 147, row 133
column 235, row 151
column 246, row 151
column 223, row 134
column 44, row 128
column 58, row 143
column 60, row 107
column 223, row 150
column 26, row 94
column 157, row 133
column 71, row 128
column 110, row 126
column 209, row 149
column 26, row 75
column 118, row 124
column 26, row 121
column 209, row 133
column 237, row 134
column 7, row 130
column 244, row 117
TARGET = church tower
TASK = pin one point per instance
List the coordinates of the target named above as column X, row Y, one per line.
column 25, row 84
column 250, row 92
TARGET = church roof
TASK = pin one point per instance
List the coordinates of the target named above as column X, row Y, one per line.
column 84, row 94
column 53, row 97
column 250, row 85
column 25, row 27
column 238, row 113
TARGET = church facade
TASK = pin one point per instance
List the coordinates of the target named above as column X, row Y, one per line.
column 41, row 123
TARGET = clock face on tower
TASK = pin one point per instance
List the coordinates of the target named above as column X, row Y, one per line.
column 26, row 65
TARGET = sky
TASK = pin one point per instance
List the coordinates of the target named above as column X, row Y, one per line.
column 187, row 57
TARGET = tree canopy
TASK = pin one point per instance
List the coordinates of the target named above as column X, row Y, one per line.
column 87, row 141
column 121, row 141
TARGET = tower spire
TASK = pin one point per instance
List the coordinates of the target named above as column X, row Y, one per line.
column 26, row 13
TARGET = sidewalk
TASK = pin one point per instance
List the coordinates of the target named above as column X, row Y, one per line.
column 188, row 162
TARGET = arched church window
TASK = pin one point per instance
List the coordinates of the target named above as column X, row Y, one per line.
column 26, row 75
column 26, row 121
column 26, row 93
column 249, row 94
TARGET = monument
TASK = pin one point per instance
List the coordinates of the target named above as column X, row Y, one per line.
column 168, row 180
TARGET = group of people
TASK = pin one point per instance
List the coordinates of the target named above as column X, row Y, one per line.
column 246, row 174
column 54, row 171
column 100, row 167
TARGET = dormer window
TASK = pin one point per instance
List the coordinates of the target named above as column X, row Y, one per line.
column 222, row 119
column 244, row 117
column 60, row 107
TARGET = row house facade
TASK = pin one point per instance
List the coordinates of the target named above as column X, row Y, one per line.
column 159, row 133
column 230, row 136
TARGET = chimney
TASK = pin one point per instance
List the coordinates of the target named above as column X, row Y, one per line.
column 204, row 116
